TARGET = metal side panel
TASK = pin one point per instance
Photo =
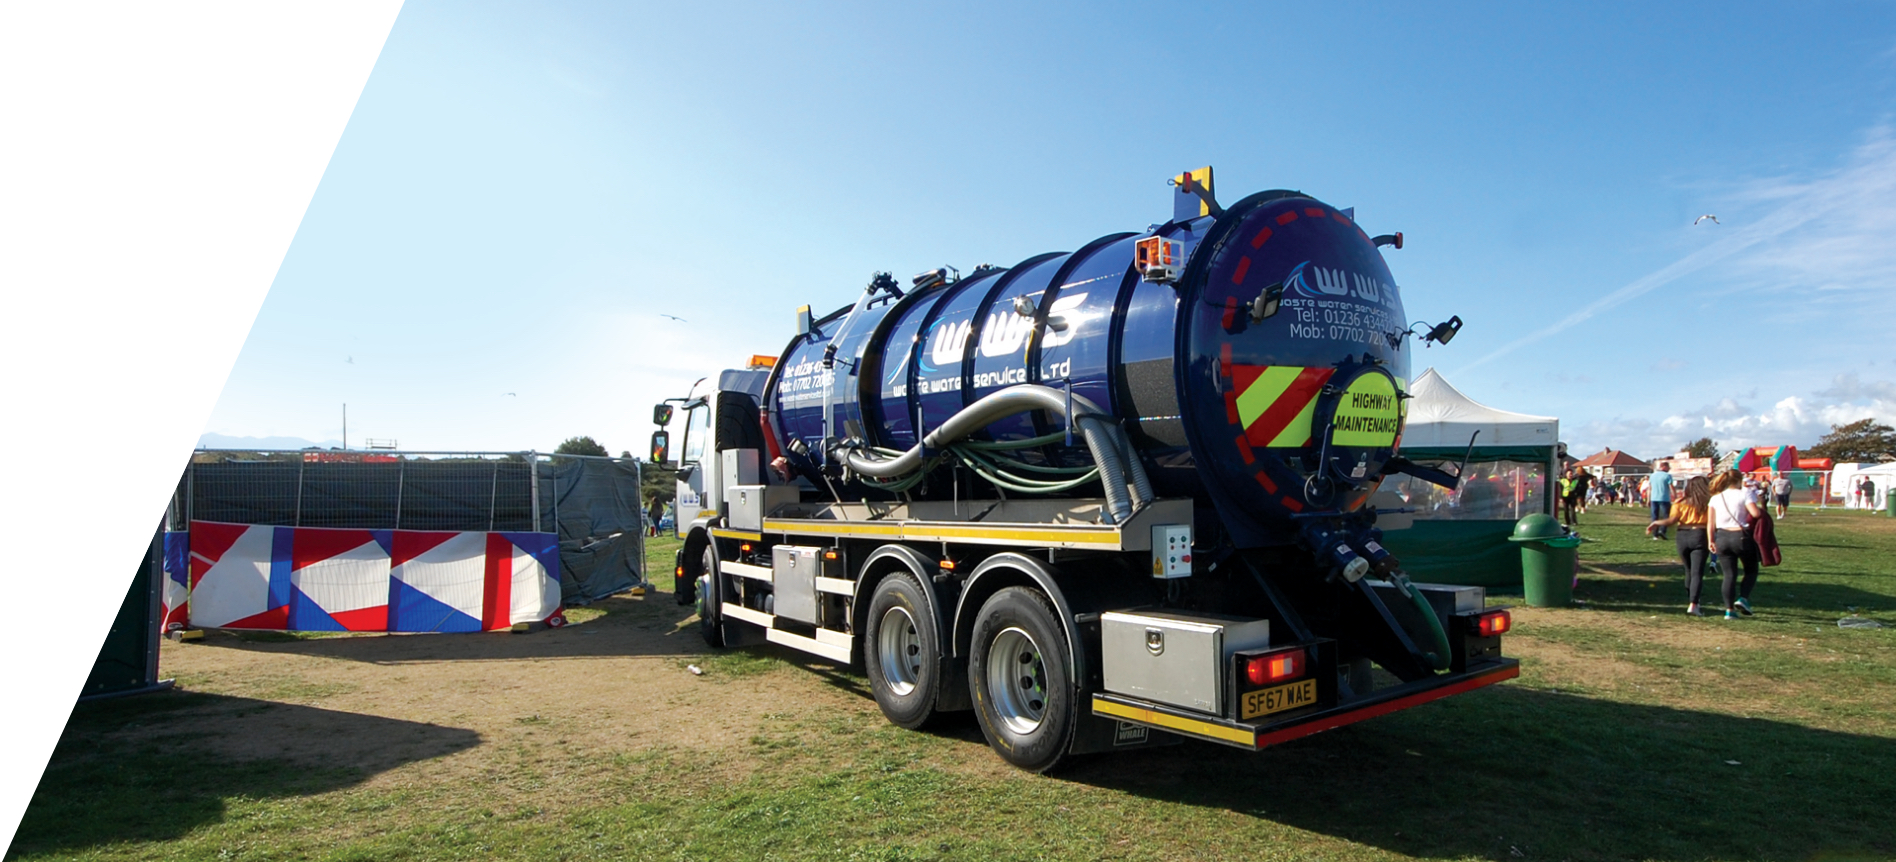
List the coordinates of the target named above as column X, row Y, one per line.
column 818, row 646
column 739, row 612
column 746, row 570
column 838, row 586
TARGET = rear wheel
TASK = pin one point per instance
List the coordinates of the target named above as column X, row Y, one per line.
column 710, row 594
column 1018, row 675
column 902, row 652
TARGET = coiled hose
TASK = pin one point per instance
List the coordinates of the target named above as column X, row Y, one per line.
column 1113, row 459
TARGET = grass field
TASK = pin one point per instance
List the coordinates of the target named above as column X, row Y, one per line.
column 1634, row 732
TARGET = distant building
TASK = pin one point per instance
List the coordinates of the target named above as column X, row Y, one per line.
column 1609, row 463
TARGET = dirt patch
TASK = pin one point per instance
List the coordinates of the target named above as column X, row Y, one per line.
column 615, row 686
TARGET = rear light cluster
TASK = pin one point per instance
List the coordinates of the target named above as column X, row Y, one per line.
column 1280, row 666
column 1494, row 623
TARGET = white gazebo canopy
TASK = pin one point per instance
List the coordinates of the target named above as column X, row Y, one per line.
column 1441, row 417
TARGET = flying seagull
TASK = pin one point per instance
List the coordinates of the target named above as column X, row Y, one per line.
column 675, row 317
column 511, row 394
column 1707, row 216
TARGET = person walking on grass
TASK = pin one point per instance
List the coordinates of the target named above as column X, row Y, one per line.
column 1689, row 515
column 1568, row 499
column 1660, row 493
column 1781, row 494
column 1732, row 511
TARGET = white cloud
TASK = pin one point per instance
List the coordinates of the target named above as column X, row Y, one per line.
column 1732, row 422
column 1825, row 238
column 1844, row 252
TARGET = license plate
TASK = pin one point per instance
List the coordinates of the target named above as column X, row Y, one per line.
column 1291, row 696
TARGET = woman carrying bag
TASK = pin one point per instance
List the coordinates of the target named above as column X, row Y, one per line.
column 1689, row 515
column 1733, row 509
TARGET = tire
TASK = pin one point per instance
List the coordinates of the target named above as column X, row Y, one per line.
column 1019, row 677
column 901, row 652
column 710, row 595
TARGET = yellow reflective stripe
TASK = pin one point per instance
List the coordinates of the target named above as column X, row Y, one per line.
column 816, row 528
column 944, row 532
column 1174, row 722
column 737, row 534
column 1095, row 537
column 1297, row 432
column 1264, row 391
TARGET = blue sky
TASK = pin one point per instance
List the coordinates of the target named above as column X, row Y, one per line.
column 524, row 189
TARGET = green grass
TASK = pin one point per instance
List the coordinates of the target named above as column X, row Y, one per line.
column 1614, row 744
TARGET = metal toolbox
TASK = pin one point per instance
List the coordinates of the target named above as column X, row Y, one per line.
column 1447, row 599
column 749, row 504
column 1172, row 658
column 793, row 574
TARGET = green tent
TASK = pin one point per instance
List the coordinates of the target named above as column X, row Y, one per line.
column 1461, row 536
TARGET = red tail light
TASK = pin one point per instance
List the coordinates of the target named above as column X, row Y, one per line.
column 1276, row 667
column 1492, row 624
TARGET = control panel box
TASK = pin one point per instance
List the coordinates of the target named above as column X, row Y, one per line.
column 1171, row 550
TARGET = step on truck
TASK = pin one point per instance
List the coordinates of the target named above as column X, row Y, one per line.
column 1106, row 499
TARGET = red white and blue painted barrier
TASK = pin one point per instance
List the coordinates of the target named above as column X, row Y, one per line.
column 243, row 576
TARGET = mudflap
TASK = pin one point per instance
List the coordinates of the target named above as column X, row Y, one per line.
column 1095, row 733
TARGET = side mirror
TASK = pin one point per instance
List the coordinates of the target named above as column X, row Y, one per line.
column 1444, row 331
column 661, row 446
column 661, row 414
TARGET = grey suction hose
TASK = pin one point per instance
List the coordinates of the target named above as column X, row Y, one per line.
column 1106, row 457
column 1141, row 485
column 1099, row 436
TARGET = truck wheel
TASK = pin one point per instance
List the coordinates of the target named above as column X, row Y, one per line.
column 1017, row 673
column 902, row 652
column 710, row 594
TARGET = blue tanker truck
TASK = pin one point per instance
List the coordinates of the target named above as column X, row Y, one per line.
column 1105, row 498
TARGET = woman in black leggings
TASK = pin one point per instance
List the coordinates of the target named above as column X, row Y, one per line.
column 1689, row 515
column 1732, row 511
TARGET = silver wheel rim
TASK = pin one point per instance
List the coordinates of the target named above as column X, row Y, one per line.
column 1017, row 680
column 899, row 649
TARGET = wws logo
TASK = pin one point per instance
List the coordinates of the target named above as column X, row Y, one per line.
column 1005, row 333
column 1336, row 282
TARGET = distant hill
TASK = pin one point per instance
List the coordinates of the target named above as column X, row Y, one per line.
column 225, row 441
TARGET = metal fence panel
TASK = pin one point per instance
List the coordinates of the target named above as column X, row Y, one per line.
column 593, row 504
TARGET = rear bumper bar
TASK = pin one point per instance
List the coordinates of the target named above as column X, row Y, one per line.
column 1257, row 735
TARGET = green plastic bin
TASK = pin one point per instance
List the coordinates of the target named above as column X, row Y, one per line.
column 1889, row 503
column 1547, row 560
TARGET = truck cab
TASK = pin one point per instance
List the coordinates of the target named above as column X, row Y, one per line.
column 721, row 442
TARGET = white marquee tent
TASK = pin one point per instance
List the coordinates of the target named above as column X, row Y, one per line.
column 1461, row 537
